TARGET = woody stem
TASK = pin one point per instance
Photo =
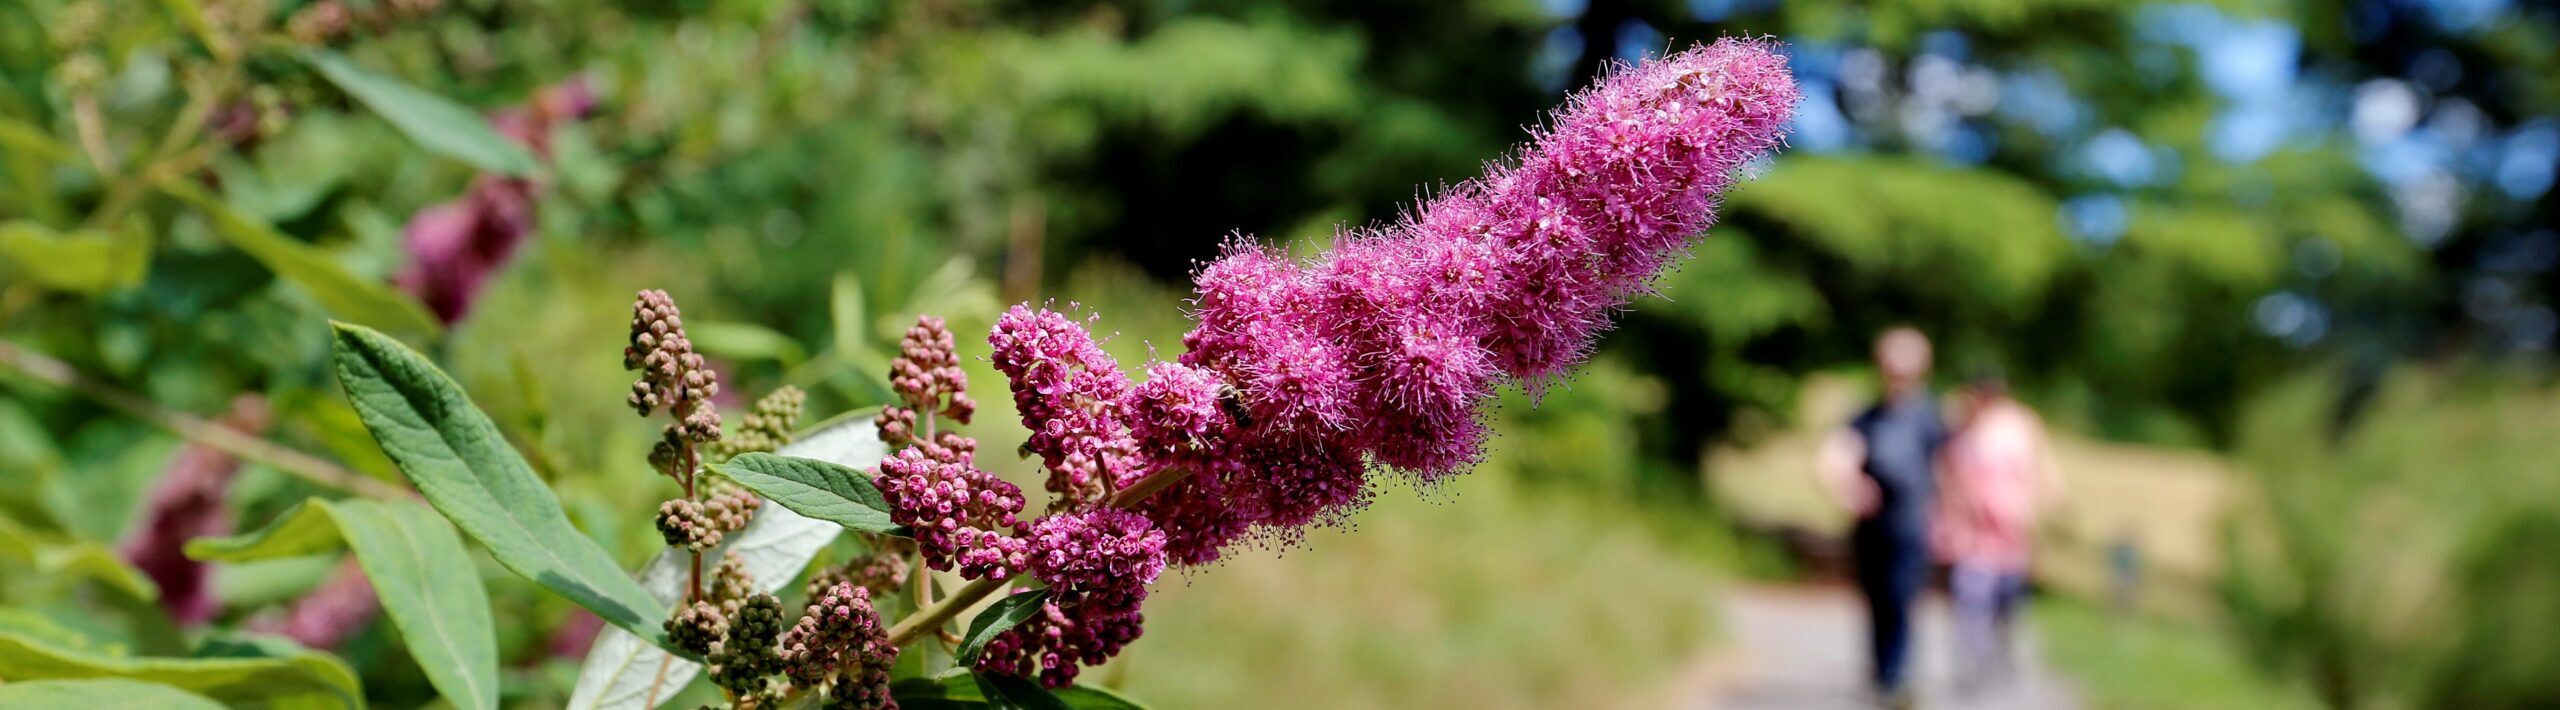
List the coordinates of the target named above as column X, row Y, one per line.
column 692, row 470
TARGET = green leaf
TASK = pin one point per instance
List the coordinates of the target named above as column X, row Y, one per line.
column 1006, row 692
column 419, row 570
column 340, row 291
column 425, row 579
column 958, row 692
column 89, row 559
column 976, row 691
column 25, row 138
column 56, row 560
column 304, row 530
column 1005, row 614
column 814, row 488
column 302, row 679
column 456, row 456
column 85, row 261
column 845, row 307
column 101, row 694
column 437, row 124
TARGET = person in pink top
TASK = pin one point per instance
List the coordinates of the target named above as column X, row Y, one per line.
column 1997, row 476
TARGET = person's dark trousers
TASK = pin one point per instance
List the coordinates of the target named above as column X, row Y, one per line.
column 1893, row 565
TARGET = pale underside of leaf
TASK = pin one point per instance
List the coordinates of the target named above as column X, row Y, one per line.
column 622, row 672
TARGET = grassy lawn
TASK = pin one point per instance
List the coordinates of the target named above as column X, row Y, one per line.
column 1490, row 594
column 2141, row 663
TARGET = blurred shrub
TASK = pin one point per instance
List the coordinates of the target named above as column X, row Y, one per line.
column 2401, row 554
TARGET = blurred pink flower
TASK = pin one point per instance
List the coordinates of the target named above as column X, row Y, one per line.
column 456, row 246
column 576, row 634
column 189, row 502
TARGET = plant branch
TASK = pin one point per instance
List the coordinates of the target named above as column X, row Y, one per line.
column 289, row 460
column 91, row 127
column 1129, row 497
column 923, row 582
column 931, row 618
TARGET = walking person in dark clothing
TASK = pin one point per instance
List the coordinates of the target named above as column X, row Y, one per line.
column 1883, row 468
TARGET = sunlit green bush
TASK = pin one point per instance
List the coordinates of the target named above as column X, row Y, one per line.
column 2400, row 549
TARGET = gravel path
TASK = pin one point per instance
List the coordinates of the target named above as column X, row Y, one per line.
column 1805, row 647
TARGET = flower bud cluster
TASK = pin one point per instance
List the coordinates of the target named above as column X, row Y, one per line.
column 1070, row 394
column 863, row 688
column 730, row 583
column 1053, row 646
column 667, row 454
column 947, row 446
column 882, row 571
column 927, row 379
column 926, row 374
column 697, row 627
column 1098, row 564
column 839, row 633
column 897, row 425
column 698, row 525
column 743, row 659
column 767, row 427
column 959, row 514
column 1179, row 408
column 1104, row 552
column 672, row 375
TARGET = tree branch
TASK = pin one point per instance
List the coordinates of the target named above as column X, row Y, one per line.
column 289, row 460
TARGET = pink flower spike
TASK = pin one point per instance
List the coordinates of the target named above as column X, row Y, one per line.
column 1385, row 349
